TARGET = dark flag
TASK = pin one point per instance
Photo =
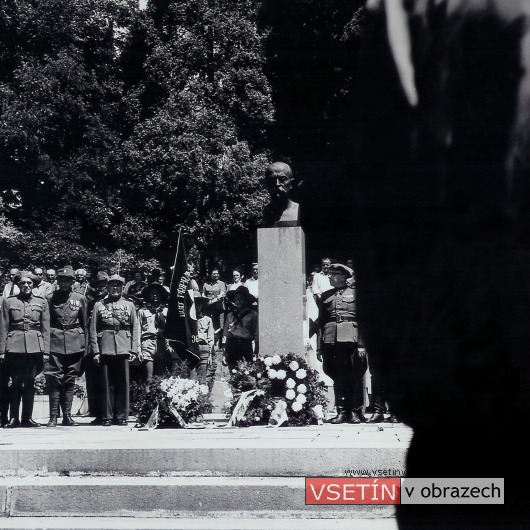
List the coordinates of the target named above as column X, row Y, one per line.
column 181, row 321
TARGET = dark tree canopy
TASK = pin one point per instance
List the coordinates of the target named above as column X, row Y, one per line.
column 120, row 126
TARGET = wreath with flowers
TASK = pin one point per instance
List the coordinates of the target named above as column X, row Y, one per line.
column 279, row 377
column 171, row 392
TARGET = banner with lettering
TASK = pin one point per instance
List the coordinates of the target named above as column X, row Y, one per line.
column 181, row 321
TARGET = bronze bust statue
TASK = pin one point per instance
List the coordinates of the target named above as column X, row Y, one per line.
column 281, row 211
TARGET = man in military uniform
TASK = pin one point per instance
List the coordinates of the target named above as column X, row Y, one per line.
column 24, row 338
column 343, row 358
column 93, row 372
column 4, row 384
column 68, row 315
column 113, row 342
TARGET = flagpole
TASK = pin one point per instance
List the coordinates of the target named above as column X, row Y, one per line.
column 175, row 262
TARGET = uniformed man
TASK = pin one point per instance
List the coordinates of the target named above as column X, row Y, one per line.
column 68, row 321
column 4, row 385
column 93, row 372
column 343, row 358
column 41, row 287
column 113, row 342
column 24, row 339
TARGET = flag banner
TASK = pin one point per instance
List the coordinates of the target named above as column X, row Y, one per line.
column 181, row 320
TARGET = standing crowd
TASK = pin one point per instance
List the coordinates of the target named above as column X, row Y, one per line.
column 111, row 330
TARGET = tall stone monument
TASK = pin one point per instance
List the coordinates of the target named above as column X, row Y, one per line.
column 281, row 257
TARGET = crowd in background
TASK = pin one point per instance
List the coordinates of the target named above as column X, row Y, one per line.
column 121, row 320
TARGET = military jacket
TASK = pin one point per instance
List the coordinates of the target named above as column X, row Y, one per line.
column 68, row 322
column 338, row 316
column 25, row 325
column 114, row 328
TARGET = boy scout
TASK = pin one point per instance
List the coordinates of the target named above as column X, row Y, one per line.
column 24, row 338
column 68, row 316
column 113, row 342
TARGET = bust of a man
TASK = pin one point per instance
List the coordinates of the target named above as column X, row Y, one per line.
column 281, row 211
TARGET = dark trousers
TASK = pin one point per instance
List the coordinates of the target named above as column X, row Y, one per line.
column 23, row 368
column 341, row 362
column 115, row 378
column 4, row 393
column 379, row 394
column 61, row 372
column 237, row 350
column 94, row 386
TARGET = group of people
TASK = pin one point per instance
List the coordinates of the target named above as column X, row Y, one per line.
column 112, row 330
column 60, row 324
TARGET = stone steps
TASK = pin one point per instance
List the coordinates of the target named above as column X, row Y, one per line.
column 268, row 497
column 189, row 478
column 241, row 521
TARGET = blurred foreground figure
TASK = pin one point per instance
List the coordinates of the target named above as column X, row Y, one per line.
column 443, row 262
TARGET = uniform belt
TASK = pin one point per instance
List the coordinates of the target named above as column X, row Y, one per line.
column 146, row 336
column 25, row 326
column 338, row 319
column 117, row 327
column 66, row 326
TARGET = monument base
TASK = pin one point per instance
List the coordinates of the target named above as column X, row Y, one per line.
column 281, row 257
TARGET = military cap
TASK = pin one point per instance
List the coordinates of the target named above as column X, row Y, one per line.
column 117, row 278
column 66, row 273
column 342, row 269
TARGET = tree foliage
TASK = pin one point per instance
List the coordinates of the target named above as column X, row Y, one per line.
column 118, row 126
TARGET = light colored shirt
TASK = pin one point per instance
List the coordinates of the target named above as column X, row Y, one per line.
column 321, row 284
column 7, row 290
column 43, row 289
column 252, row 285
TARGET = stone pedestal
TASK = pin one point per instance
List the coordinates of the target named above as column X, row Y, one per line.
column 281, row 257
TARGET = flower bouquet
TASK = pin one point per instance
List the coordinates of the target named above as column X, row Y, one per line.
column 280, row 377
column 178, row 399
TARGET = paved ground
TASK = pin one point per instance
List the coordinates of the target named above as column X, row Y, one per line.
column 211, row 435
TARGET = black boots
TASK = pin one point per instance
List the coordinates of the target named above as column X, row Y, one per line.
column 69, row 421
column 347, row 416
column 55, row 394
column 377, row 417
column 341, row 417
column 67, row 405
column 64, row 397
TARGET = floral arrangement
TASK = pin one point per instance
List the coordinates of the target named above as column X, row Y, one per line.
column 286, row 377
column 187, row 396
